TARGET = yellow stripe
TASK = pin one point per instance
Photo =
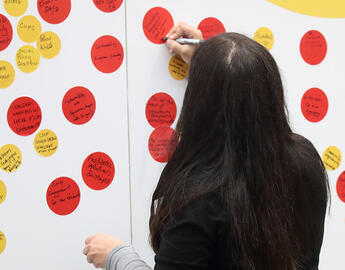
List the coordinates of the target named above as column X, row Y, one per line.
column 316, row 8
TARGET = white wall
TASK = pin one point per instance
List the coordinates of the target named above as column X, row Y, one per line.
column 120, row 128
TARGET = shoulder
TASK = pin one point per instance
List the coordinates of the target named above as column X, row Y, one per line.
column 304, row 156
column 307, row 166
column 303, row 148
column 299, row 139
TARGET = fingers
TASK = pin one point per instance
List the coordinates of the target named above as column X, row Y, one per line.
column 86, row 250
column 175, row 47
column 95, row 260
column 185, row 51
column 183, row 29
column 89, row 259
column 88, row 240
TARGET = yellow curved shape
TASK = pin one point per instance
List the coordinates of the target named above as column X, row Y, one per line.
column 316, row 8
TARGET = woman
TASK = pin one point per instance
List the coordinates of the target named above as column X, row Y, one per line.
column 241, row 191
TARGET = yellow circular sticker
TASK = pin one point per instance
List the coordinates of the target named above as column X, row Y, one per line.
column 331, row 158
column 178, row 68
column 6, row 74
column 15, row 7
column 2, row 242
column 49, row 44
column 27, row 58
column 265, row 37
column 10, row 158
column 29, row 28
column 45, row 143
column 3, row 192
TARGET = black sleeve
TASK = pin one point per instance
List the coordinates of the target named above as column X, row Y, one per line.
column 188, row 241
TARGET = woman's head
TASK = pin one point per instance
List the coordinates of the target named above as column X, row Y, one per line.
column 234, row 84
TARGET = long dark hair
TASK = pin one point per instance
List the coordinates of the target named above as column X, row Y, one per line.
column 235, row 140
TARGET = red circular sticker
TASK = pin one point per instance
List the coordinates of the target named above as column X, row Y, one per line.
column 313, row 47
column 107, row 5
column 54, row 11
column 63, row 196
column 78, row 105
column 210, row 27
column 162, row 143
column 6, row 32
column 341, row 187
column 314, row 105
column 161, row 110
column 24, row 116
column 107, row 54
column 156, row 24
column 98, row 171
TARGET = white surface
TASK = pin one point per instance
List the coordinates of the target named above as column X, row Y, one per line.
column 37, row 238
column 148, row 74
column 45, row 240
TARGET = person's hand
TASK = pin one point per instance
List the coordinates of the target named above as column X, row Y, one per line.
column 97, row 248
column 187, row 31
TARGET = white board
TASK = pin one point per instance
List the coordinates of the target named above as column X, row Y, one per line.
column 148, row 74
column 37, row 238
column 120, row 129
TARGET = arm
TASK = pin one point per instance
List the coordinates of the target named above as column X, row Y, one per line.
column 124, row 257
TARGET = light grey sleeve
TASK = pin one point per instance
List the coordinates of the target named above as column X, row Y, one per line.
column 124, row 257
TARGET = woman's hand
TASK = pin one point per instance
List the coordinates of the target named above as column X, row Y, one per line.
column 187, row 31
column 97, row 248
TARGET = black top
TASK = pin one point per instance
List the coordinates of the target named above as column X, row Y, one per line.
column 197, row 238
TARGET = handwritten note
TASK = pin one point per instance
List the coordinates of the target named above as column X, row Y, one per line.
column 29, row 28
column 24, row 116
column 331, row 158
column 6, row 74
column 63, row 196
column 15, row 7
column 3, row 192
column 45, row 143
column 27, row 58
column 10, row 158
column 2, row 242
column 79, row 105
column 107, row 54
column 54, row 11
column 108, row 5
column 162, row 143
column 161, row 110
column 98, row 171
column 49, row 44
column 341, row 187
column 178, row 68
column 313, row 47
column 156, row 24
column 210, row 27
column 6, row 32
column 314, row 105
column 265, row 37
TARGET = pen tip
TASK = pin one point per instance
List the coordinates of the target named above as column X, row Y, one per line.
column 165, row 39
